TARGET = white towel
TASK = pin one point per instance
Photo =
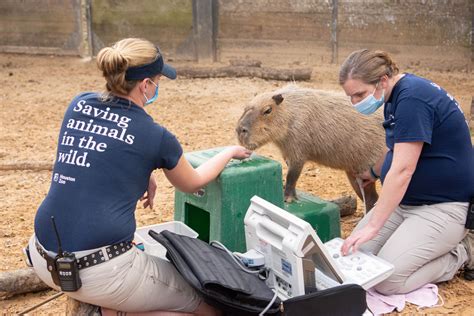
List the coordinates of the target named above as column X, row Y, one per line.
column 426, row 296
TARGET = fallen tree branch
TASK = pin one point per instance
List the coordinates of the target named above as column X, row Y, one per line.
column 25, row 281
column 19, row 282
column 49, row 299
column 245, row 62
column 37, row 166
column 296, row 74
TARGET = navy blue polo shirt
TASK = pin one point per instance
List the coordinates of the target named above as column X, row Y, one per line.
column 419, row 110
column 106, row 153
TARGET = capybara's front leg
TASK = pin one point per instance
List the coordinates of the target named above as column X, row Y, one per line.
column 294, row 171
column 370, row 192
column 371, row 196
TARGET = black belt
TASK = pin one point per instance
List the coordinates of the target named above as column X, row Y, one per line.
column 94, row 258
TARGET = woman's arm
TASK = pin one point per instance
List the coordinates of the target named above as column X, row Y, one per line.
column 377, row 167
column 187, row 179
column 367, row 176
column 149, row 195
column 405, row 159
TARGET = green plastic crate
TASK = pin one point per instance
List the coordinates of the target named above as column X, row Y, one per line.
column 323, row 216
column 217, row 211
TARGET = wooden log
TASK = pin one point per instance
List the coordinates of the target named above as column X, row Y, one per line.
column 347, row 205
column 245, row 62
column 19, row 282
column 74, row 307
column 289, row 74
column 36, row 166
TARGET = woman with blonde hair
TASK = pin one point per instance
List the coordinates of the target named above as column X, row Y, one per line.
column 107, row 149
column 418, row 223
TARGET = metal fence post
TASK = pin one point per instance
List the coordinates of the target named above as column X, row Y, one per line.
column 334, row 32
column 203, row 25
column 86, row 49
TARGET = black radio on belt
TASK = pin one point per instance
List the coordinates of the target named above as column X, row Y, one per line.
column 470, row 215
column 67, row 272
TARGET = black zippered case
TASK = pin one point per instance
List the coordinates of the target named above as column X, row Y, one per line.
column 343, row 300
column 222, row 283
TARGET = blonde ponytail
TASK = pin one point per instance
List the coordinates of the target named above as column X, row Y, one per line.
column 115, row 60
column 368, row 66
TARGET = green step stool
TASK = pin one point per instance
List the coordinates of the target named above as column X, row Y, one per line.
column 323, row 216
column 217, row 211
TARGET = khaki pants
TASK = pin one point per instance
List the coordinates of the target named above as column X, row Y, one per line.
column 131, row 282
column 422, row 242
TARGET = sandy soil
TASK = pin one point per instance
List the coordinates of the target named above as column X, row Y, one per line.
column 35, row 91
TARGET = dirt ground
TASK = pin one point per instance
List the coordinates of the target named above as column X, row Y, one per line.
column 35, row 91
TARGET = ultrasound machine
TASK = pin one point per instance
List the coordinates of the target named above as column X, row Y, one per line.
column 297, row 260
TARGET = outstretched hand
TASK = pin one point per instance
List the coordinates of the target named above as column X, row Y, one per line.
column 149, row 195
column 366, row 178
column 357, row 238
column 239, row 152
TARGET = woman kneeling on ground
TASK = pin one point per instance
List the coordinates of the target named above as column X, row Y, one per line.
column 108, row 147
column 427, row 173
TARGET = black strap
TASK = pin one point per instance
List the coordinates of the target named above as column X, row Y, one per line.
column 145, row 71
column 94, row 258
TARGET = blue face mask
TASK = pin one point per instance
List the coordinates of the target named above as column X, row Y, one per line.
column 148, row 101
column 370, row 104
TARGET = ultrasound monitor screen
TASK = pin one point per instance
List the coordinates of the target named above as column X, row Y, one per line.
column 313, row 252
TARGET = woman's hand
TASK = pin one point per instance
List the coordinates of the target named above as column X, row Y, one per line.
column 239, row 152
column 149, row 195
column 359, row 237
column 187, row 179
column 366, row 178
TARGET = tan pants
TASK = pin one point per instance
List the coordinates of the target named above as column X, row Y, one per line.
column 131, row 282
column 422, row 242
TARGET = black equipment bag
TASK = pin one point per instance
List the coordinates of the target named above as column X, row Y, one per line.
column 343, row 300
column 223, row 284
column 216, row 276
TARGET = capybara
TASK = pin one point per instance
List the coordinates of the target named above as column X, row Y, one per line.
column 320, row 126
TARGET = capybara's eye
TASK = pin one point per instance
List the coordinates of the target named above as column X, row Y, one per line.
column 267, row 111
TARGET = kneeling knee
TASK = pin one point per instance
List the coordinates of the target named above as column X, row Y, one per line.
column 387, row 288
column 392, row 285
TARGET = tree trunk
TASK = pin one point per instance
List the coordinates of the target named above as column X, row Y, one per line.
column 20, row 281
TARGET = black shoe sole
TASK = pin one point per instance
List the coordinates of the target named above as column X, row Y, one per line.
column 469, row 274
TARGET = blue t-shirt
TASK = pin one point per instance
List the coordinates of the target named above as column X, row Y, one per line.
column 106, row 153
column 419, row 110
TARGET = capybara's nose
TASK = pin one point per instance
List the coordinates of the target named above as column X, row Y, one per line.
column 241, row 130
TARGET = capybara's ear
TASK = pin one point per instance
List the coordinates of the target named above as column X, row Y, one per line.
column 278, row 98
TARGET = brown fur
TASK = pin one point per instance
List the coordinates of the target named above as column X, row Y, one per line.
column 320, row 126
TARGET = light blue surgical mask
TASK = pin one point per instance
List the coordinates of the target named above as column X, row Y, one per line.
column 148, row 101
column 370, row 104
